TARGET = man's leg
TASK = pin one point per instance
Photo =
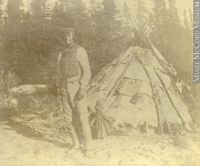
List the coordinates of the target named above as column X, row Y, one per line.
column 81, row 107
column 72, row 90
column 81, row 112
column 67, row 109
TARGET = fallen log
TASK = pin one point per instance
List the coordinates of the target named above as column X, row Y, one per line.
column 28, row 89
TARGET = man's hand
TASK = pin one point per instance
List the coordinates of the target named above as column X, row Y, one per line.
column 81, row 93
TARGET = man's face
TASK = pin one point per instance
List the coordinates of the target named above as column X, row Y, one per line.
column 69, row 38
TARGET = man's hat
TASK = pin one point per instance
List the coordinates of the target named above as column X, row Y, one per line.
column 68, row 30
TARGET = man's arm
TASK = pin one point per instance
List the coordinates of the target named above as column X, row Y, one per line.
column 85, row 67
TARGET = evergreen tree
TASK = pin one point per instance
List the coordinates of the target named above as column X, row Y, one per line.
column 114, row 28
column 13, row 11
column 173, row 20
column 1, row 39
column 141, row 16
column 110, row 33
column 171, row 36
column 158, row 24
column 11, row 33
column 1, row 13
column 39, row 42
column 37, row 7
column 178, row 37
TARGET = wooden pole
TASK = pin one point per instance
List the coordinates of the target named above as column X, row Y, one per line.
column 155, row 94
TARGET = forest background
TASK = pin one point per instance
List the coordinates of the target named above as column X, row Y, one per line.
column 31, row 38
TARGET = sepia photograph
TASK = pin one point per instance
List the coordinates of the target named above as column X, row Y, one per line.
column 99, row 82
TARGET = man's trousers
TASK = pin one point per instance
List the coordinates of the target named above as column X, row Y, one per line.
column 76, row 113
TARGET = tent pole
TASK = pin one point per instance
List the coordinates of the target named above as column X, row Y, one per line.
column 177, row 111
column 121, row 77
column 154, row 92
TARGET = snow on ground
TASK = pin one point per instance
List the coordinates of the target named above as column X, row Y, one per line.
column 137, row 149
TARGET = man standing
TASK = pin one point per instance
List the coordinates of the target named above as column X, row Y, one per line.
column 73, row 75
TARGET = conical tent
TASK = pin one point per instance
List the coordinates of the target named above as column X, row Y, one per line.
column 138, row 90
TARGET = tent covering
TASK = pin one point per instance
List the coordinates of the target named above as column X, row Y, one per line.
column 138, row 90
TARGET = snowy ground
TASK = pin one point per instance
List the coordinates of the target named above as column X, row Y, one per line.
column 20, row 148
